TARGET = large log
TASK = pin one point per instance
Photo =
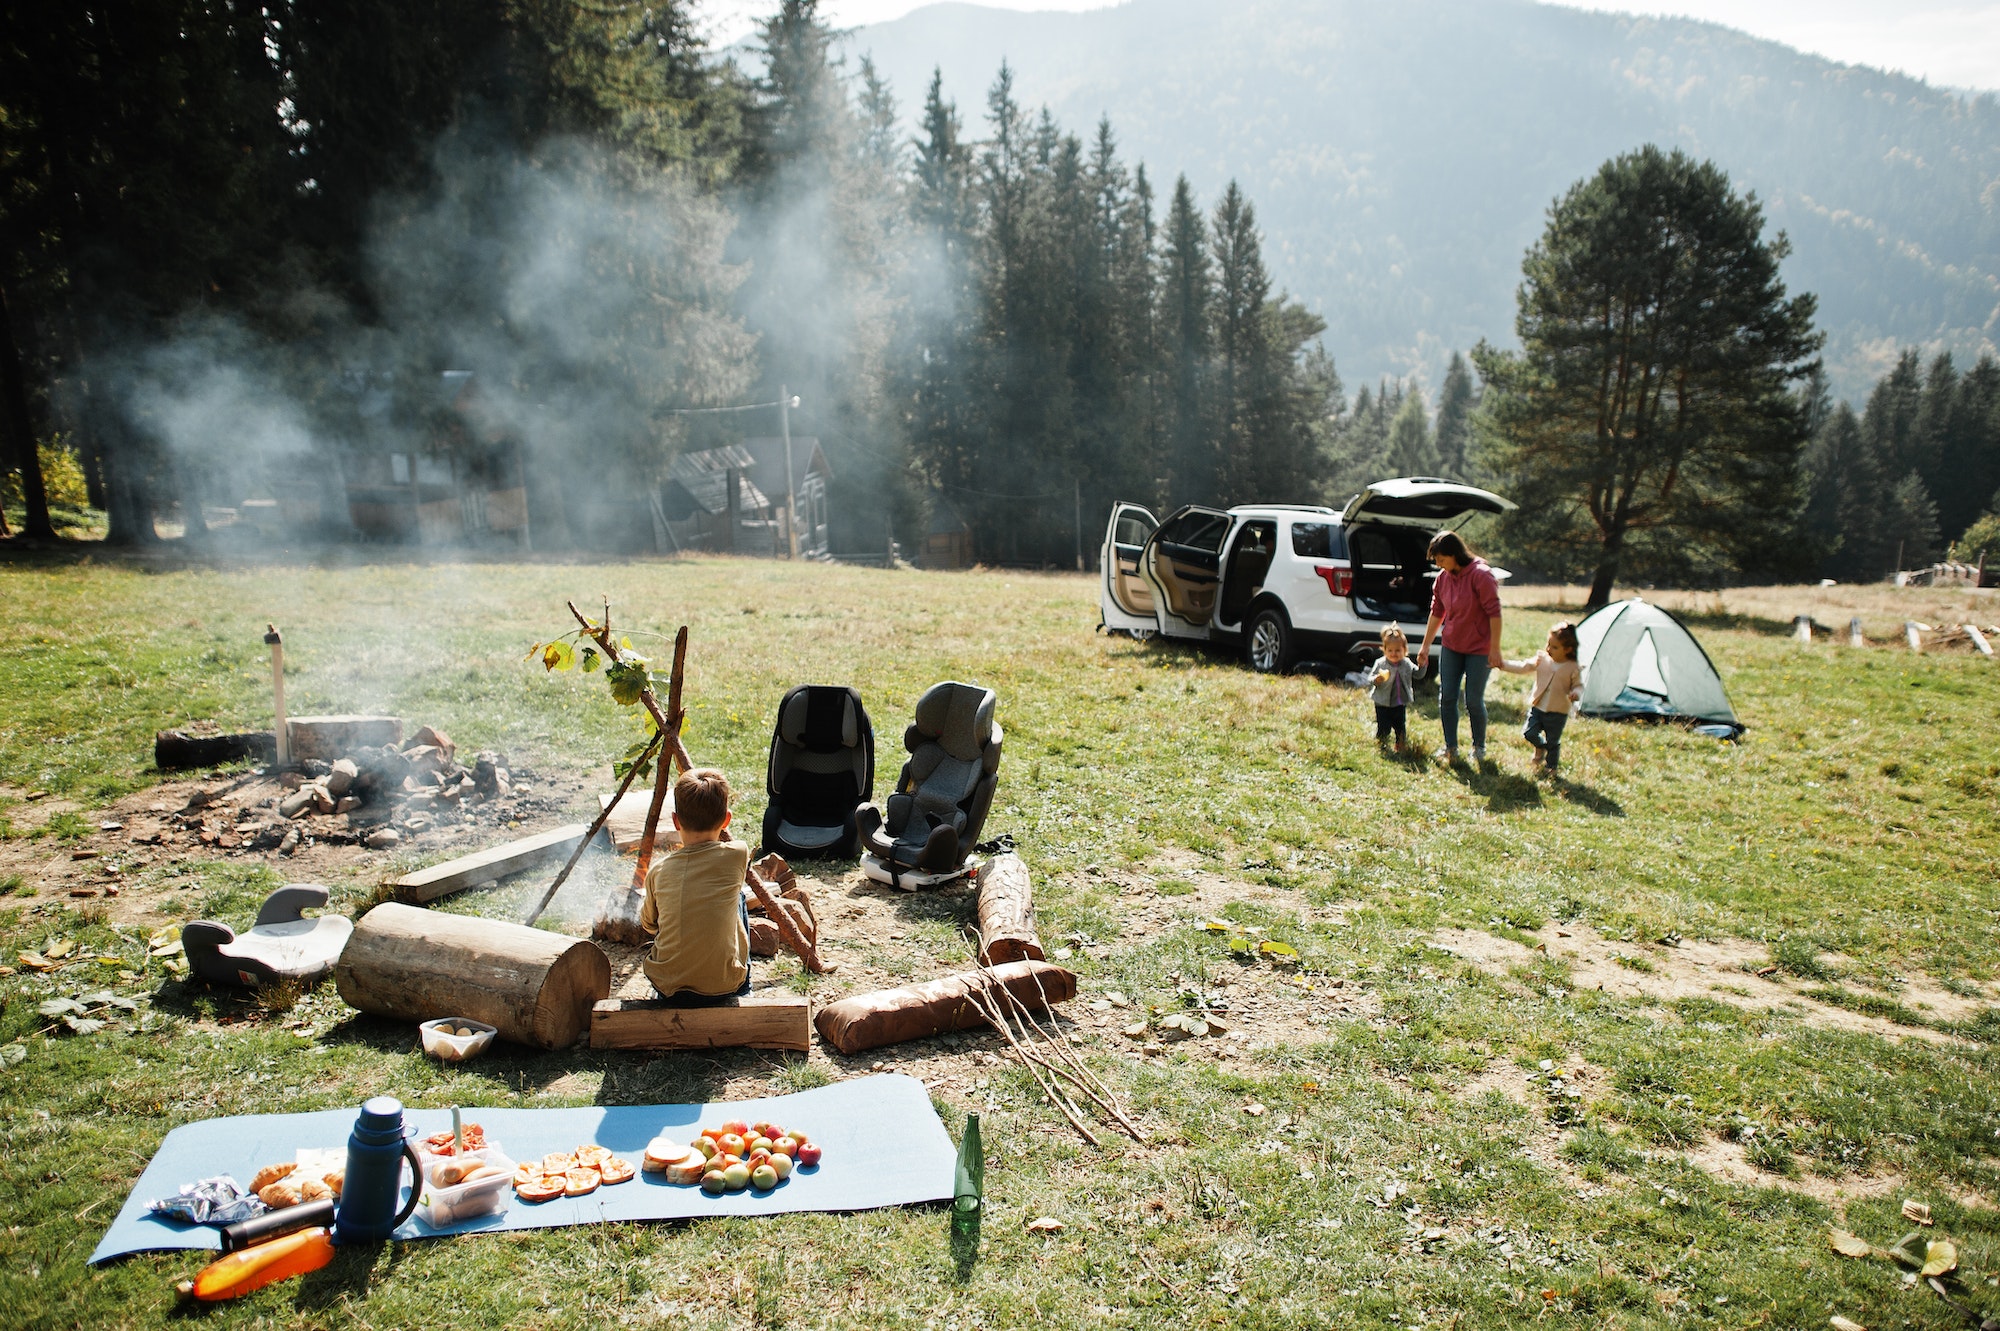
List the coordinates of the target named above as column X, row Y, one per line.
column 176, row 750
column 536, row 987
column 891, row 1016
column 1007, row 913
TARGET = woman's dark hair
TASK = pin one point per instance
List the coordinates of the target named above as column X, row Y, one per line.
column 1451, row 543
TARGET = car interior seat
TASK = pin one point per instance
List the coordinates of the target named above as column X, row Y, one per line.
column 282, row 945
column 822, row 768
column 934, row 817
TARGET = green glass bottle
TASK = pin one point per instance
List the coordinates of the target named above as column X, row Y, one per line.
column 969, row 1184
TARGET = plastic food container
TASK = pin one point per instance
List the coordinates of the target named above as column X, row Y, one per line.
column 441, row 1043
column 487, row 1195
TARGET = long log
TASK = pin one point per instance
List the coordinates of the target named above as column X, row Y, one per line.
column 891, row 1016
column 176, row 750
column 536, row 987
column 1007, row 913
column 483, row 866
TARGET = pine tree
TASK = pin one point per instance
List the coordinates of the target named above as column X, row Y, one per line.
column 1456, row 402
column 1411, row 451
column 1186, row 298
column 1653, row 389
column 1910, row 523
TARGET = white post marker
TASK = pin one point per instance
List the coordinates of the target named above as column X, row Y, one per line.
column 1854, row 638
column 277, row 644
column 1913, row 634
column 1979, row 640
column 785, row 404
column 1802, row 628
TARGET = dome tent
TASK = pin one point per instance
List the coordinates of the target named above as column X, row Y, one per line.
column 1640, row 662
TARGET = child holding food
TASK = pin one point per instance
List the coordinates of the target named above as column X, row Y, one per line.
column 1393, row 678
column 694, row 898
column 1558, row 683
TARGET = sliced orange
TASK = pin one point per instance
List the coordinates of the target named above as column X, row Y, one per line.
column 615, row 1170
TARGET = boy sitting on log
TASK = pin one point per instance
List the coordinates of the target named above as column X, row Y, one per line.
column 694, row 909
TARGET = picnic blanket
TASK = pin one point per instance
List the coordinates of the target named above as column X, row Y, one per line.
column 884, row 1147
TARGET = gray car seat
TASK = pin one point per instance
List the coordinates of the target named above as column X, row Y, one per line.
column 822, row 768
column 282, row 945
column 940, row 802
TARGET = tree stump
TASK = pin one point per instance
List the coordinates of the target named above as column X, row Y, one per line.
column 1007, row 913
column 536, row 987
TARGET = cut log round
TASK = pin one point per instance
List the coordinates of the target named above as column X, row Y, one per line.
column 1007, row 913
column 891, row 1016
column 535, row 987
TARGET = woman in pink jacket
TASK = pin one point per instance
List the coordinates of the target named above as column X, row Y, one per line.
column 1465, row 604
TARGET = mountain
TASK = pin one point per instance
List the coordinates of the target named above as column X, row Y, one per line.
column 1402, row 157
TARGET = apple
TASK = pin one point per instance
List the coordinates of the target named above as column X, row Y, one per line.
column 733, row 1143
column 763, row 1178
column 808, row 1154
column 713, row 1181
column 797, row 1136
column 787, row 1145
column 736, row 1176
column 735, row 1125
column 783, row 1164
column 767, row 1129
column 760, row 1142
column 707, row 1147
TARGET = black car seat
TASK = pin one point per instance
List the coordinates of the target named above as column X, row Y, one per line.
column 822, row 767
column 940, row 802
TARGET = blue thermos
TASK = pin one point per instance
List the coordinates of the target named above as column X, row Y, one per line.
column 368, row 1211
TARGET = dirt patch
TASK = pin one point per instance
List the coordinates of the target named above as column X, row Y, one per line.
column 113, row 865
column 1730, row 1162
column 1542, row 1092
column 1726, row 970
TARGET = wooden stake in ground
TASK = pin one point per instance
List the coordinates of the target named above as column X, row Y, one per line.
column 1007, row 913
column 618, row 915
column 1854, row 637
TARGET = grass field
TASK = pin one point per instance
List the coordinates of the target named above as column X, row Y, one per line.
column 1415, row 1165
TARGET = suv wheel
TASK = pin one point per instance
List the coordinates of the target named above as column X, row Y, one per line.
column 1268, row 645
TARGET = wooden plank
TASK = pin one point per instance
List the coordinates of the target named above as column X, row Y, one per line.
column 486, row 865
column 1913, row 633
column 765, row 1019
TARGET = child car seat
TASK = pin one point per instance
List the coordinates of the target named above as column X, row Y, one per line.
column 940, row 802
column 822, row 767
column 282, row 945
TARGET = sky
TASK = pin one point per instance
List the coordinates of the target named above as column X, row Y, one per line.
column 1955, row 43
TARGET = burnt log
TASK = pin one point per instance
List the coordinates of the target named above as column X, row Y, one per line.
column 1007, row 913
column 177, row 751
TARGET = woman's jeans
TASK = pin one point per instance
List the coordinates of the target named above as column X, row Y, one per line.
column 1454, row 669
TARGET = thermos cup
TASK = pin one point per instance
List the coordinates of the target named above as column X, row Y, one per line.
column 368, row 1211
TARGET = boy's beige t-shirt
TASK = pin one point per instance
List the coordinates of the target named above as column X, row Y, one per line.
column 1553, row 681
column 692, row 910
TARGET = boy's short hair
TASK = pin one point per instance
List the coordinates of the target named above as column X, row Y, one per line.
column 1565, row 633
column 1392, row 633
column 701, row 799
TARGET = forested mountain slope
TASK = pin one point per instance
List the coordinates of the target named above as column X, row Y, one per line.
column 1402, row 156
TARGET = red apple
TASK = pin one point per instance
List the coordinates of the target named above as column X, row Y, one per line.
column 808, row 1154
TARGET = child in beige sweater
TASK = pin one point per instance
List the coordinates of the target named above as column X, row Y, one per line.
column 1558, row 683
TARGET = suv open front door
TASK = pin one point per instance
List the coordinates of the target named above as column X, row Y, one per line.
column 1125, row 602
column 1182, row 564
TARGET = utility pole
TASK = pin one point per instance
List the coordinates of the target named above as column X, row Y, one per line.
column 785, row 404
column 1076, row 497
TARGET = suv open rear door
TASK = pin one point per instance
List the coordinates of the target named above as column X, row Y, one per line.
column 1125, row 601
column 1422, row 501
column 1182, row 563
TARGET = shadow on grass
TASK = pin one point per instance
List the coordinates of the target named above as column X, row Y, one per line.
column 1588, row 798
column 1504, row 792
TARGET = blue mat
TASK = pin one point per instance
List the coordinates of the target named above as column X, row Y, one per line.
column 884, row 1147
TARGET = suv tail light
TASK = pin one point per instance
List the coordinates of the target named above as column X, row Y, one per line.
column 1339, row 581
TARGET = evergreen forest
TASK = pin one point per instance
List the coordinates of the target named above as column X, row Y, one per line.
column 244, row 244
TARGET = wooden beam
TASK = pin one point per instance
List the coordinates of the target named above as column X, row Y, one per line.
column 763, row 1019
column 485, row 865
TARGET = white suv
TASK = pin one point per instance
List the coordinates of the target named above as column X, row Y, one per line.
column 1291, row 583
